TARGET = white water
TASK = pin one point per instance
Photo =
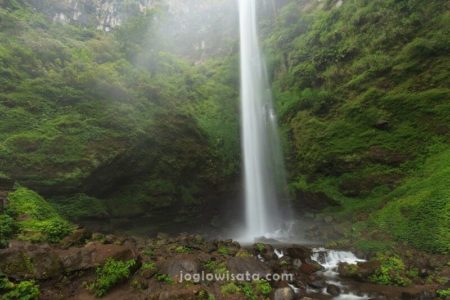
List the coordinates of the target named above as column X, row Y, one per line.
column 263, row 163
column 330, row 260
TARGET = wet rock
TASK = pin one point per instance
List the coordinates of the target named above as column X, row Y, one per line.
column 360, row 272
column 333, row 290
column 242, row 265
column 77, row 238
column 93, row 255
column 310, row 268
column 184, row 263
column 318, row 284
column 297, row 263
column 265, row 250
column 285, row 293
column 23, row 260
column 299, row 252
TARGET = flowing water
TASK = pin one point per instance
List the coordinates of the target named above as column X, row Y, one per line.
column 263, row 163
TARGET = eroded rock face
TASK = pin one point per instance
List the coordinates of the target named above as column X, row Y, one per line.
column 23, row 260
column 106, row 15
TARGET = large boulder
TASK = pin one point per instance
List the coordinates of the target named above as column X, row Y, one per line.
column 183, row 263
column 23, row 260
column 93, row 255
column 248, row 265
column 285, row 293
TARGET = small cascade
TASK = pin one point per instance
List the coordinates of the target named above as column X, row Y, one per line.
column 330, row 260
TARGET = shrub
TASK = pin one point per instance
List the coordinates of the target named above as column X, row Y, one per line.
column 224, row 250
column 25, row 290
column 230, row 288
column 391, row 272
column 164, row 278
column 7, row 229
column 40, row 221
column 110, row 274
column 443, row 293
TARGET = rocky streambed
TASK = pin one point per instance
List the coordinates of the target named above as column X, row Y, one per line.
column 161, row 267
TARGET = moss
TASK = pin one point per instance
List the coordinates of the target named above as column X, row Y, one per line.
column 110, row 274
column 216, row 267
column 230, row 288
column 37, row 219
column 364, row 109
column 183, row 249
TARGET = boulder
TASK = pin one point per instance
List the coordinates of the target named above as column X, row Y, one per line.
column 242, row 265
column 93, row 255
column 318, row 284
column 285, row 293
column 183, row 263
column 310, row 268
column 23, row 260
column 299, row 252
column 333, row 290
column 77, row 238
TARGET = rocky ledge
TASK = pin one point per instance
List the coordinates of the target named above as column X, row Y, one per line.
column 86, row 265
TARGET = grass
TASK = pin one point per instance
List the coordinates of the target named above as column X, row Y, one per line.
column 37, row 220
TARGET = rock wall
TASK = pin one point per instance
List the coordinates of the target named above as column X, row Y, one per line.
column 104, row 14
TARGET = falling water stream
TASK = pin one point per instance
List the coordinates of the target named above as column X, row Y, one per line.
column 263, row 162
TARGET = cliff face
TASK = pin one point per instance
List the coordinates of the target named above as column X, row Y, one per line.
column 104, row 14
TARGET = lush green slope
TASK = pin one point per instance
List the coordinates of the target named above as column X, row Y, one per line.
column 363, row 92
column 108, row 114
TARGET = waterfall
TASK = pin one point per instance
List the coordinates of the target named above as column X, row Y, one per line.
column 264, row 176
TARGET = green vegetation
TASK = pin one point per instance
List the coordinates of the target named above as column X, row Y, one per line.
column 392, row 271
column 251, row 290
column 110, row 274
column 24, row 290
column 443, row 293
column 362, row 93
column 36, row 220
column 216, row 267
column 183, row 249
column 230, row 288
column 224, row 250
column 8, row 228
column 148, row 266
column 82, row 109
column 165, row 278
